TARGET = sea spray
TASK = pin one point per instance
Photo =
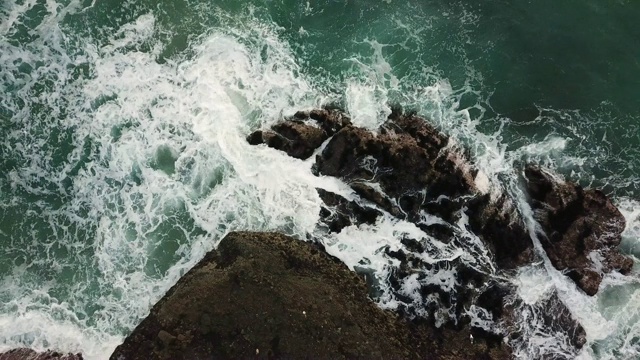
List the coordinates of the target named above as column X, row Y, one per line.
column 124, row 159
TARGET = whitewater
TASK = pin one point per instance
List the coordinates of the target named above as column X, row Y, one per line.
column 123, row 161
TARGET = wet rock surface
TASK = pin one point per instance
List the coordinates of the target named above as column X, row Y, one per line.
column 409, row 168
column 415, row 173
column 582, row 228
column 300, row 135
column 500, row 225
column 406, row 156
column 340, row 212
column 28, row 354
column 266, row 295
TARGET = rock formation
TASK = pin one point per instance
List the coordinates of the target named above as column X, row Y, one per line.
column 266, row 295
column 582, row 228
column 28, row 354
column 414, row 172
column 301, row 135
column 408, row 167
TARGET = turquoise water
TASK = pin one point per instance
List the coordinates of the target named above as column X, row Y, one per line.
column 122, row 125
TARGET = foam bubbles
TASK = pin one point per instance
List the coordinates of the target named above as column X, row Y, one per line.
column 533, row 284
column 367, row 95
column 157, row 171
column 126, row 170
column 631, row 235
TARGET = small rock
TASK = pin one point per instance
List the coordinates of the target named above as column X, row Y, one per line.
column 166, row 338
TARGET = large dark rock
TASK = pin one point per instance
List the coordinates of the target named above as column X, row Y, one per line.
column 583, row 228
column 267, row 295
column 418, row 169
column 28, row 354
column 339, row 212
column 502, row 230
column 300, row 135
column 414, row 172
column 405, row 160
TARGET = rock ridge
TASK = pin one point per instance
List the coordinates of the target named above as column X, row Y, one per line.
column 414, row 172
column 408, row 167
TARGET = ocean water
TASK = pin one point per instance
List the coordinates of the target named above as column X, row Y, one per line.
column 123, row 159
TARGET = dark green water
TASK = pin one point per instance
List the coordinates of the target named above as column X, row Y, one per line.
column 122, row 159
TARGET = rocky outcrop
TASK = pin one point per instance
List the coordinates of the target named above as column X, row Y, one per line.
column 502, row 229
column 412, row 171
column 403, row 160
column 552, row 316
column 302, row 134
column 28, row 354
column 582, row 228
column 339, row 213
column 266, row 295
column 409, row 168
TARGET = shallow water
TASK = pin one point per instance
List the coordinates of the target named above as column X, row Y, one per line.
column 123, row 159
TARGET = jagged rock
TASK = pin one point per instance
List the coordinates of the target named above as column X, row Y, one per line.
column 300, row 135
column 28, row 354
column 401, row 164
column 339, row 213
column 266, row 295
column 559, row 319
column 416, row 168
column 583, row 228
column 550, row 310
column 412, row 171
column 502, row 229
column 330, row 120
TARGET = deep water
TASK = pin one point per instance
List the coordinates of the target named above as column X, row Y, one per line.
column 123, row 159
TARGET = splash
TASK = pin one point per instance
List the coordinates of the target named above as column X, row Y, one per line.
column 154, row 172
column 124, row 166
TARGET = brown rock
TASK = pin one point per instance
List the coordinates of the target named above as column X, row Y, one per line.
column 266, row 295
column 300, row 135
column 28, row 354
column 583, row 228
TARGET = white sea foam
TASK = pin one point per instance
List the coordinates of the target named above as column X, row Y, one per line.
column 630, row 208
column 126, row 196
column 367, row 96
column 533, row 284
column 159, row 171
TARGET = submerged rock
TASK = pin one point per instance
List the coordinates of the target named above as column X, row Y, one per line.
column 582, row 228
column 28, row 354
column 267, row 295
